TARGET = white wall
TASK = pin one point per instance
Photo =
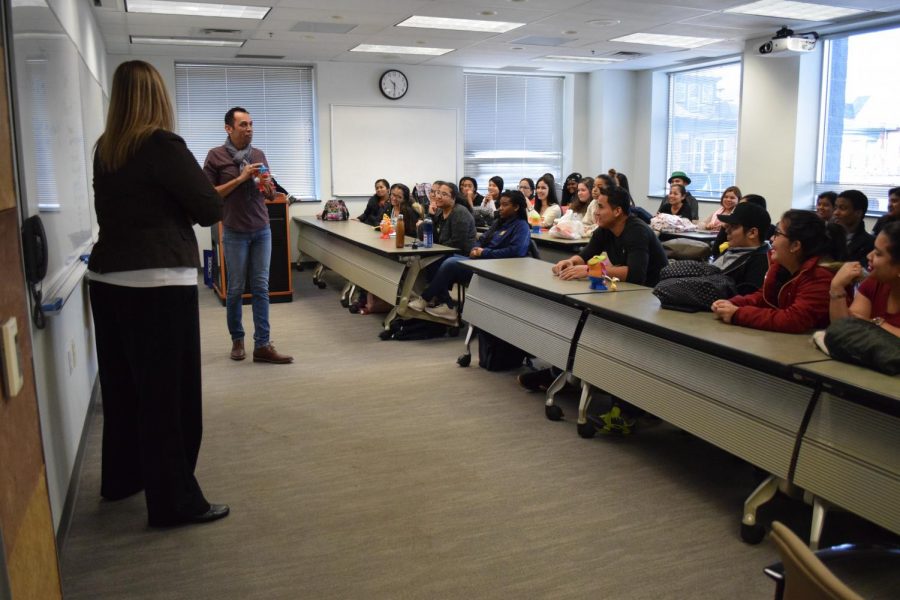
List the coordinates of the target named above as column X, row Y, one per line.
column 64, row 355
column 611, row 114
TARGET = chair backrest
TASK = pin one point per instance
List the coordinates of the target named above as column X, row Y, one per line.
column 533, row 251
column 805, row 576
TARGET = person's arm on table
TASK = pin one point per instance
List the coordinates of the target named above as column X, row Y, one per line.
column 837, row 294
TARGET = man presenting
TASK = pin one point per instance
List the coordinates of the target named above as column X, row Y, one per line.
column 247, row 239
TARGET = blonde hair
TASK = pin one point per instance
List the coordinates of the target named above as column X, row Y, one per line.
column 139, row 105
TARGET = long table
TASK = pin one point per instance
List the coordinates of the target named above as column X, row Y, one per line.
column 755, row 394
column 554, row 249
column 356, row 251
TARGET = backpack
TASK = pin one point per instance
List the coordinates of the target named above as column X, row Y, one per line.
column 335, row 210
column 496, row 355
column 692, row 294
column 414, row 329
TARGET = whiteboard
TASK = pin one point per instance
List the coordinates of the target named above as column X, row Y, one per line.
column 400, row 144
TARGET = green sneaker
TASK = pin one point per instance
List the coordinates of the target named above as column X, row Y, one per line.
column 614, row 423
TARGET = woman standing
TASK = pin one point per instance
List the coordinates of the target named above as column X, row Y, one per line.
column 545, row 202
column 730, row 198
column 377, row 204
column 148, row 193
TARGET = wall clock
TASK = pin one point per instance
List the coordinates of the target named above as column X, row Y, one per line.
column 394, row 84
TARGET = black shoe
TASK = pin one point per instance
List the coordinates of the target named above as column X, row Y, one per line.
column 215, row 512
column 536, row 381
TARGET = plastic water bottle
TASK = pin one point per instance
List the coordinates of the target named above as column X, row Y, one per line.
column 428, row 232
column 262, row 177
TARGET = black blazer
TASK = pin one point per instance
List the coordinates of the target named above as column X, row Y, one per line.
column 146, row 210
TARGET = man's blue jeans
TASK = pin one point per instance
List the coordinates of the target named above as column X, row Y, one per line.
column 247, row 256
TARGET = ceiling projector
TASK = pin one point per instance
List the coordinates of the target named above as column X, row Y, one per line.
column 786, row 42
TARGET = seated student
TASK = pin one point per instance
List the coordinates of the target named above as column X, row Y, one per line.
column 676, row 204
column 730, row 198
column 825, row 205
column 377, row 205
column 722, row 236
column 545, row 202
column 468, row 189
column 510, row 237
column 401, row 204
column 794, row 295
column 681, row 178
column 526, row 186
column 495, row 186
column 570, row 188
column 620, row 179
column 893, row 211
column 454, row 226
column 746, row 257
column 849, row 210
column 600, row 182
column 878, row 296
column 634, row 252
column 579, row 203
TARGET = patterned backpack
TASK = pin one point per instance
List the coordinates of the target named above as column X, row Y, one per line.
column 335, row 210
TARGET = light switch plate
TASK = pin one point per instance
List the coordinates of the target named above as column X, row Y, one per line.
column 13, row 378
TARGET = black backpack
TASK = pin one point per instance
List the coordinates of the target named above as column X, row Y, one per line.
column 414, row 329
column 496, row 355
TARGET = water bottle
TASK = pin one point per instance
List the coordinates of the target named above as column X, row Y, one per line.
column 428, row 232
column 400, row 232
column 262, row 177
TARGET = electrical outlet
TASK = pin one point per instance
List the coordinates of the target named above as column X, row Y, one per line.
column 13, row 378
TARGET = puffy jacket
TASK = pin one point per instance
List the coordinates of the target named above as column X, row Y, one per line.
column 800, row 305
column 508, row 239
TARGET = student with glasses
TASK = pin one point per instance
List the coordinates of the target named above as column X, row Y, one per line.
column 454, row 226
column 794, row 294
column 526, row 186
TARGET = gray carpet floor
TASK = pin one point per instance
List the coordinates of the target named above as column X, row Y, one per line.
column 373, row 469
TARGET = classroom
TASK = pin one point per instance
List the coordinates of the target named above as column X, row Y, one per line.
column 382, row 468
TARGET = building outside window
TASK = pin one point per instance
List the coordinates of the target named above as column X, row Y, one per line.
column 704, row 105
column 860, row 130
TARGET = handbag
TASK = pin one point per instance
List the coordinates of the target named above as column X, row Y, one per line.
column 863, row 343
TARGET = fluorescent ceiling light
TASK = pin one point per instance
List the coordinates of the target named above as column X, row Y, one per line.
column 22, row 3
column 657, row 39
column 459, row 24
column 171, row 41
column 401, row 49
column 597, row 60
column 196, row 9
column 801, row 11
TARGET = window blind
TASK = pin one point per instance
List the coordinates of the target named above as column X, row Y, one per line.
column 279, row 99
column 513, row 127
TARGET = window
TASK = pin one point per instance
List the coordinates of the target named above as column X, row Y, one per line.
column 860, row 136
column 280, row 100
column 703, row 124
column 513, row 127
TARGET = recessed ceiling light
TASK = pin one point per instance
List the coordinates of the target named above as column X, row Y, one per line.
column 459, row 24
column 801, row 11
column 23, row 3
column 175, row 41
column 604, row 22
column 597, row 60
column 401, row 49
column 197, row 9
column 657, row 39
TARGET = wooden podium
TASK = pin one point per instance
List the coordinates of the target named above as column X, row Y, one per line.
column 280, row 285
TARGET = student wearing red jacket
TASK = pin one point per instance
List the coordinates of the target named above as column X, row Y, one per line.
column 794, row 294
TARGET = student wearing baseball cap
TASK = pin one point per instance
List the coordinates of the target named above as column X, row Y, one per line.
column 746, row 260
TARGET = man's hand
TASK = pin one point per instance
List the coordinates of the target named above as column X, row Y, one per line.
column 249, row 171
column 574, row 272
column 562, row 266
column 476, row 252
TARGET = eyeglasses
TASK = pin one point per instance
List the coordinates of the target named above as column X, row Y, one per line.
column 442, row 194
column 524, row 187
column 777, row 233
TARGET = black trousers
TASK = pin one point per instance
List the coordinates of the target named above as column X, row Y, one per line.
column 148, row 348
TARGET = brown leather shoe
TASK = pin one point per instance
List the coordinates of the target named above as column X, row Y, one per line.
column 237, row 350
column 269, row 354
